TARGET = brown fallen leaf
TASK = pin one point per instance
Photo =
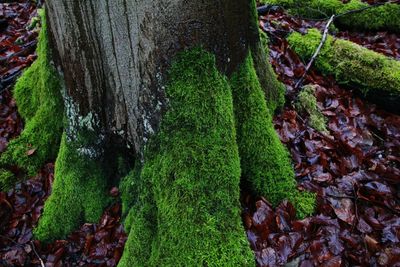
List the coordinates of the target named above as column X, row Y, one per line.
column 30, row 152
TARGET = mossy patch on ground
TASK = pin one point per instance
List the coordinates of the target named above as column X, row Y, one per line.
column 265, row 163
column 38, row 97
column 352, row 64
column 385, row 17
column 307, row 103
column 79, row 194
column 192, row 170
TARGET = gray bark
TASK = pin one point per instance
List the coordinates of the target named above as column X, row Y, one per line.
column 114, row 55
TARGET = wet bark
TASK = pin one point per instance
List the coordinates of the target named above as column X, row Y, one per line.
column 114, row 55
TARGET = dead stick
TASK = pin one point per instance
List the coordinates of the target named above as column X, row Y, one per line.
column 314, row 57
column 37, row 255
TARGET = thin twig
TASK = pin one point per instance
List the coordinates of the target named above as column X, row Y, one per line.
column 357, row 219
column 32, row 245
column 340, row 197
column 37, row 255
column 314, row 57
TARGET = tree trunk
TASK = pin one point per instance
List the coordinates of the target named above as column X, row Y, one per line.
column 114, row 55
column 174, row 83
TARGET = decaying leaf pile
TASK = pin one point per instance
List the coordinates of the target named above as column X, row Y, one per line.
column 354, row 168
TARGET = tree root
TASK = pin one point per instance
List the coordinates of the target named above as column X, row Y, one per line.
column 79, row 194
column 265, row 163
column 38, row 97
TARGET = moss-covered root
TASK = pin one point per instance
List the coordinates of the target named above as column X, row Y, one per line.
column 38, row 97
column 353, row 65
column 385, row 17
column 194, row 170
column 307, row 103
column 274, row 90
column 265, row 163
column 78, row 194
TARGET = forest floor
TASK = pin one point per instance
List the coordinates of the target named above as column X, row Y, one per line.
column 354, row 168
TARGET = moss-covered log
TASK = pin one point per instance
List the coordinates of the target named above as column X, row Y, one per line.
column 384, row 17
column 38, row 97
column 193, row 174
column 375, row 75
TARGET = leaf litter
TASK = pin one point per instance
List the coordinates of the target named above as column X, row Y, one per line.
column 354, row 169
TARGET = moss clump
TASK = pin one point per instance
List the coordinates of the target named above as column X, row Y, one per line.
column 385, row 17
column 265, row 163
column 352, row 64
column 78, row 194
column 192, row 172
column 7, row 180
column 307, row 102
column 38, row 97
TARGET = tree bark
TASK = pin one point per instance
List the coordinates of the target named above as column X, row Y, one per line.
column 114, row 55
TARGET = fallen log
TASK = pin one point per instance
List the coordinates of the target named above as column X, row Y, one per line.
column 376, row 76
column 354, row 15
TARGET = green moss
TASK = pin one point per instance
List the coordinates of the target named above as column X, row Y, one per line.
column 140, row 218
column 38, row 97
column 265, row 163
column 7, row 180
column 78, row 194
column 192, row 171
column 274, row 90
column 307, row 102
column 350, row 63
column 129, row 188
column 385, row 17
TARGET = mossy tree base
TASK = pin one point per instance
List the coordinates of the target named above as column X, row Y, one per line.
column 192, row 172
column 79, row 194
column 185, row 203
column 182, row 206
column 38, row 97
